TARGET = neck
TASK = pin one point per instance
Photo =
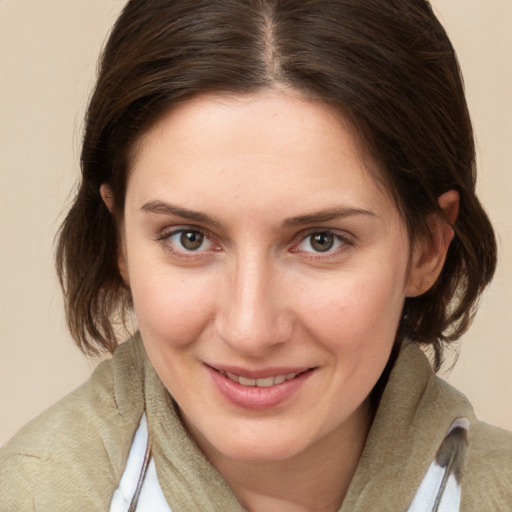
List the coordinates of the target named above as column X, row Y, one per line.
column 315, row 480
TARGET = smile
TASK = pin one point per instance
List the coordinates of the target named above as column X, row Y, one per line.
column 260, row 383
column 259, row 390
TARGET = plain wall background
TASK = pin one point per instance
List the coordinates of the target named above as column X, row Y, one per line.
column 48, row 53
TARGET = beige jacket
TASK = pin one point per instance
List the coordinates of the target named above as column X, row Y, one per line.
column 71, row 458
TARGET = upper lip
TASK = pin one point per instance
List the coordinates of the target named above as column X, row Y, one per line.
column 260, row 373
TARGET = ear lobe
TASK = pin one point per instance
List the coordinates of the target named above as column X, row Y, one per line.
column 429, row 253
column 108, row 198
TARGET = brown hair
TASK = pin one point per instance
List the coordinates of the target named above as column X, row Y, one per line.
column 388, row 66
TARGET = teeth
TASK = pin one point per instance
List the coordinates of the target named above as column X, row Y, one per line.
column 246, row 382
column 260, row 383
column 264, row 383
column 279, row 379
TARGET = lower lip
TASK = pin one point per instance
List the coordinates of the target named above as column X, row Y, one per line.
column 256, row 398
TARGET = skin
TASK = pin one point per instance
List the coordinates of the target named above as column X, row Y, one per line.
column 263, row 175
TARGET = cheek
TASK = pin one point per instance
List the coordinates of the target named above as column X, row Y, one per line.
column 171, row 305
column 172, row 314
column 356, row 324
column 357, row 310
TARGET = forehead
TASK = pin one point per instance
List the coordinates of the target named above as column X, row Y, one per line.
column 275, row 144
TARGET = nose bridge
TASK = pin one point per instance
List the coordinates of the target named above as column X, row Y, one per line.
column 254, row 317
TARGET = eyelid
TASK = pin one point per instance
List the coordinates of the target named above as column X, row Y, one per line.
column 165, row 235
column 346, row 239
column 172, row 230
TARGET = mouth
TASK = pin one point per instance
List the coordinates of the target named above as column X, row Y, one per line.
column 260, row 389
column 262, row 382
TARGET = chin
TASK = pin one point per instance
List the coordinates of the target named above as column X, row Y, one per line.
column 262, row 446
column 261, row 454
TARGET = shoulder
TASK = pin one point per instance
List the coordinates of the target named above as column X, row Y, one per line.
column 487, row 474
column 74, row 453
column 487, row 482
column 487, row 471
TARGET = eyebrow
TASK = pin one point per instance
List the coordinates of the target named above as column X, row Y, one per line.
column 163, row 208
column 326, row 216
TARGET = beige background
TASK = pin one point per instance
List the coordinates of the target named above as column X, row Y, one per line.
column 48, row 51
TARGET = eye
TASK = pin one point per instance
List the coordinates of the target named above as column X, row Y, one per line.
column 321, row 242
column 186, row 241
column 190, row 240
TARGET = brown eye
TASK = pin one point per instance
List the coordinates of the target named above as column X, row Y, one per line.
column 191, row 240
column 322, row 242
column 183, row 242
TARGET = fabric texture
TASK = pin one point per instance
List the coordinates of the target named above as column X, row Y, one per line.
column 73, row 456
column 140, row 490
column 149, row 498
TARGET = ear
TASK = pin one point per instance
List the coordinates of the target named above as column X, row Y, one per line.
column 429, row 253
column 108, row 198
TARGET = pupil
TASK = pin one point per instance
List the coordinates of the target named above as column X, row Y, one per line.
column 191, row 240
column 322, row 242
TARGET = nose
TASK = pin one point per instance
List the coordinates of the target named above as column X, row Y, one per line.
column 254, row 317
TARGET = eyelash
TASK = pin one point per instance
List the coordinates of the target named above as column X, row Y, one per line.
column 164, row 239
column 345, row 241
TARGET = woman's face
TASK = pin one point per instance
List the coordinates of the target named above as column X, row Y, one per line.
column 268, row 271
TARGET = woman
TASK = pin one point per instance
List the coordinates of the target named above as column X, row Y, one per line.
column 283, row 192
